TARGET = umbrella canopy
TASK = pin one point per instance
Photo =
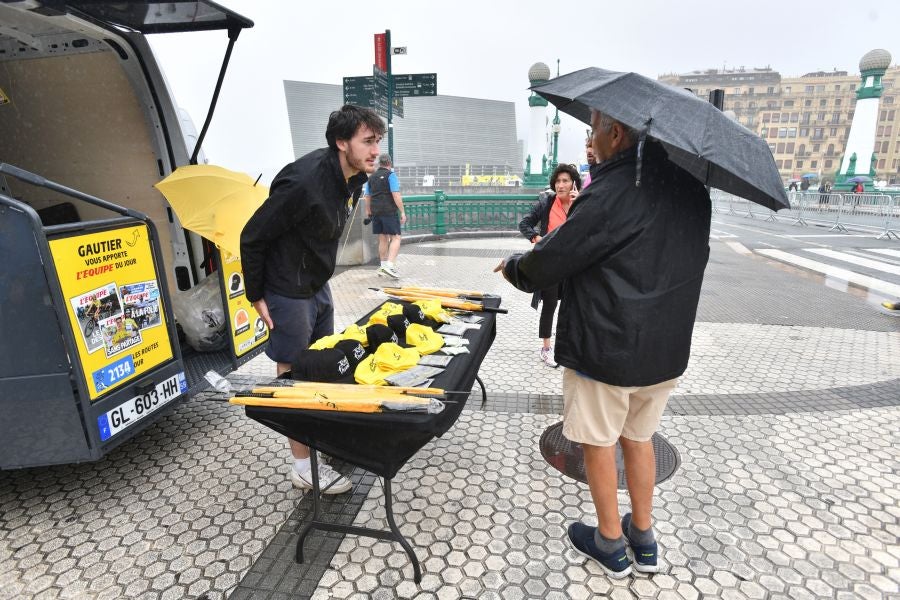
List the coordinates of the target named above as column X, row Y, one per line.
column 213, row 202
column 860, row 179
column 698, row 137
column 809, row 176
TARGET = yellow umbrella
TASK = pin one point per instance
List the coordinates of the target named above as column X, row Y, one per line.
column 213, row 202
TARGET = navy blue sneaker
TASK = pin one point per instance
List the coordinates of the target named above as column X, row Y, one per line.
column 644, row 556
column 616, row 564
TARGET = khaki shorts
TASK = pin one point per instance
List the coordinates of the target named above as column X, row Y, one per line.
column 598, row 414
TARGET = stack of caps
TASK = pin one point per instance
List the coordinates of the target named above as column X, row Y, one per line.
column 328, row 365
column 388, row 359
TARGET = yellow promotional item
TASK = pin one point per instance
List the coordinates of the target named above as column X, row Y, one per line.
column 387, row 360
column 327, row 341
column 387, row 309
column 355, row 332
column 213, row 202
column 368, row 373
column 424, row 338
column 433, row 310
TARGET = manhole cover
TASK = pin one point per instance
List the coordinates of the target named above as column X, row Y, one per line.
column 567, row 457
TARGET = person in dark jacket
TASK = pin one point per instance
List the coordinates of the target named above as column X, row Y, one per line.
column 548, row 213
column 631, row 260
column 289, row 250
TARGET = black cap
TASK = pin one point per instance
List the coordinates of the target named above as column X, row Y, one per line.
column 325, row 366
column 353, row 350
column 398, row 323
column 377, row 334
column 414, row 314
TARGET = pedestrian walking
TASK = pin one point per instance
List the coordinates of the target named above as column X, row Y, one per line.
column 631, row 260
column 589, row 153
column 384, row 206
column 289, row 250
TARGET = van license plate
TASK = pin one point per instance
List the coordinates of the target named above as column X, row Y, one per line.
column 133, row 410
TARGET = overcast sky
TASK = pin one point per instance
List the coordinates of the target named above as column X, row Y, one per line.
column 483, row 49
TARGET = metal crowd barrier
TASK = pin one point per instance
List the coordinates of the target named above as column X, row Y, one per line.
column 867, row 212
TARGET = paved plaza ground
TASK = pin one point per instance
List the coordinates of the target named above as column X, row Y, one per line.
column 786, row 426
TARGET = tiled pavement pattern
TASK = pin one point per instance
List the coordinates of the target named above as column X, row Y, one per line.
column 786, row 423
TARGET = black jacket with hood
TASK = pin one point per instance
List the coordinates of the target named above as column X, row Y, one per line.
column 289, row 245
column 536, row 223
column 631, row 260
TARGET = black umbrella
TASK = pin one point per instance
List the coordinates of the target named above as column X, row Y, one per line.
column 698, row 137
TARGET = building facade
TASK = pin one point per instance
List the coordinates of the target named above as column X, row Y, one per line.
column 439, row 140
column 805, row 120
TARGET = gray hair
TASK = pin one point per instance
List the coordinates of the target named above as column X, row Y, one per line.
column 384, row 160
column 606, row 122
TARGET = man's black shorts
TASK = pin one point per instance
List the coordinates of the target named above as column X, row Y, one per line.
column 386, row 225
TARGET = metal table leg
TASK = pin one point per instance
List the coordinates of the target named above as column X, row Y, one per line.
column 483, row 391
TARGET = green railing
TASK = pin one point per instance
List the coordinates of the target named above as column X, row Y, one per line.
column 443, row 213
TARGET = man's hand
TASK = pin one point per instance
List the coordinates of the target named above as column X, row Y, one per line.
column 263, row 309
column 536, row 239
column 402, row 218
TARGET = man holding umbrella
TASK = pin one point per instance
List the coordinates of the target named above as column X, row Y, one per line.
column 289, row 250
column 631, row 261
column 631, row 257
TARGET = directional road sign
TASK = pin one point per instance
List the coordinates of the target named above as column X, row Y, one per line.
column 415, row 84
column 398, row 50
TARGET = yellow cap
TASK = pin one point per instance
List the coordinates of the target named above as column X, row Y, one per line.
column 355, row 332
column 424, row 338
column 327, row 341
column 368, row 373
column 393, row 358
column 387, row 309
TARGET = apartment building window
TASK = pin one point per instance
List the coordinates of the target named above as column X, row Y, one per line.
column 806, row 118
column 837, row 101
column 852, row 87
column 888, row 130
column 891, row 115
column 816, row 147
column 786, row 89
column 788, row 103
column 823, row 102
column 827, row 164
column 782, row 132
column 737, row 91
column 888, row 99
column 809, row 89
column 780, row 148
column 770, row 90
column 897, row 147
column 883, row 115
column 788, row 163
column 884, row 147
column 818, row 134
column 850, row 115
column 785, row 117
column 821, row 117
column 750, row 90
column 772, row 148
column 802, row 149
column 771, row 104
column 881, row 164
column 799, row 164
column 820, row 87
column 773, row 132
column 804, row 132
column 767, row 117
column 792, row 132
column 807, row 103
column 837, row 87
column 832, row 132
column 776, row 117
column 795, row 117
column 779, row 164
column 830, row 150
column 789, row 149
column 836, row 118
column 880, row 130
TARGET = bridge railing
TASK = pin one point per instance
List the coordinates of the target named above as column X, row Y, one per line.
column 442, row 213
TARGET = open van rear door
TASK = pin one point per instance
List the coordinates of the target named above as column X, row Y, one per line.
column 161, row 17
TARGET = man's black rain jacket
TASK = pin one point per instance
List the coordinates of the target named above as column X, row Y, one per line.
column 631, row 260
column 289, row 245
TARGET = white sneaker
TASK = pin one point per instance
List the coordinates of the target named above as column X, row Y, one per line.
column 389, row 271
column 330, row 481
column 547, row 357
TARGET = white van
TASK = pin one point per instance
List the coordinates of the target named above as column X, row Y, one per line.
column 87, row 127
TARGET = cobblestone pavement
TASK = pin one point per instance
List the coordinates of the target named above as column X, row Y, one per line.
column 786, row 422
